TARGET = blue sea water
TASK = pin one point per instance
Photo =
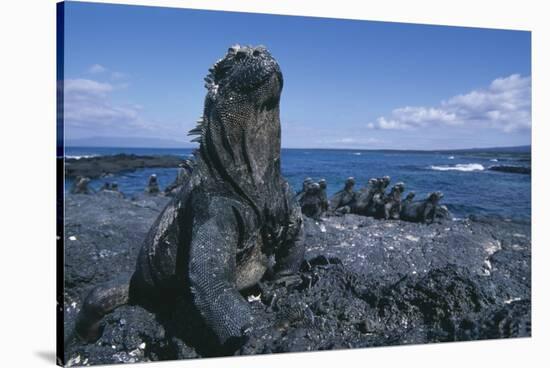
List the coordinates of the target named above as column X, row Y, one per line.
column 469, row 187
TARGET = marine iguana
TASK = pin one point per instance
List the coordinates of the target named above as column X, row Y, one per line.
column 152, row 185
column 302, row 192
column 342, row 201
column 379, row 198
column 80, row 186
column 323, row 195
column 408, row 199
column 184, row 171
column 311, row 202
column 392, row 207
column 424, row 211
column 235, row 219
column 363, row 199
column 110, row 189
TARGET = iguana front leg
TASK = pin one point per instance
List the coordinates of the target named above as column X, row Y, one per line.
column 290, row 255
column 212, row 270
column 428, row 215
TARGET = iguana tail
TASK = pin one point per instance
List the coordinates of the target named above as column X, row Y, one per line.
column 100, row 301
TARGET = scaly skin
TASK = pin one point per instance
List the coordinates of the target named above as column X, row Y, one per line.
column 235, row 219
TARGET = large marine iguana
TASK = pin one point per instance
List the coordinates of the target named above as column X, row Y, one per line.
column 234, row 221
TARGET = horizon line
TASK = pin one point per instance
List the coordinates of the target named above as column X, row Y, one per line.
column 330, row 148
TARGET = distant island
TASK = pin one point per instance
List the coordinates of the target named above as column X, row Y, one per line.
column 160, row 143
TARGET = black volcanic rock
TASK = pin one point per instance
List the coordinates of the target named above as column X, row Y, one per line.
column 511, row 169
column 94, row 167
column 364, row 282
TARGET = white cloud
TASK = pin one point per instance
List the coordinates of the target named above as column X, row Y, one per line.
column 347, row 142
column 86, row 87
column 117, row 75
column 504, row 105
column 356, row 140
column 97, row 69
column 88, row 103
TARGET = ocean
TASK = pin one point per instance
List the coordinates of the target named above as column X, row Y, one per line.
column 469, row 187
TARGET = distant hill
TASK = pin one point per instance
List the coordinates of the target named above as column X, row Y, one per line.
column 128, row 142
column 143, row 142
column 514, row 149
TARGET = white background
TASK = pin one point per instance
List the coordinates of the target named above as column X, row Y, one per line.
column 27, row 117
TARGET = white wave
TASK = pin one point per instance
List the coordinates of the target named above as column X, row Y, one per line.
column 357, row 153
column 79, row 157
column 494, row 160
column 459, row 167
column 451, row 157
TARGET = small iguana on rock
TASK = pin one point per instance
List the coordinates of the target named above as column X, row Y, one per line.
column 323, row 195
column 424, row 211
column 234, row 220
column 152, row 185
column 184, row 172
column 342, row 201
column 363, row 201
column 392, row 205
column 80, row 186
column 311, row 202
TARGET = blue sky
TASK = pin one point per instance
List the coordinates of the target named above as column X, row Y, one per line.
column 136, row 73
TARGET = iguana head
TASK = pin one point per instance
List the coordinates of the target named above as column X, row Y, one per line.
column 372, row 183
column 240, row 132
column 435, row 197
column 246, row 70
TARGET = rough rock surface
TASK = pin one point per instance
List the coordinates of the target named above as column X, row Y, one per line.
column 366, row 282
column 511, row 169
column 95, row 167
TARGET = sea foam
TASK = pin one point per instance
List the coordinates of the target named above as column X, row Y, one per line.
column 459, row 167
column 80, row 157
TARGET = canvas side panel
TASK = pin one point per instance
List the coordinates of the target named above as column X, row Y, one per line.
column 60, row 206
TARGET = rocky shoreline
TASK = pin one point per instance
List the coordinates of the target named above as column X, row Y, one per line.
column 95, row 167
column 365, row 282
column 526, row 170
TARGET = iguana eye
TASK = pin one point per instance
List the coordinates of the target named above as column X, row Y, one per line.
column 240, row 55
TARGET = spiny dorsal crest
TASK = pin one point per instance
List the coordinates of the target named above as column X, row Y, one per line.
column 198, row 130
column 211, row 84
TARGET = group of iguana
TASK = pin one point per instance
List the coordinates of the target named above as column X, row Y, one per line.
column 371, row 200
